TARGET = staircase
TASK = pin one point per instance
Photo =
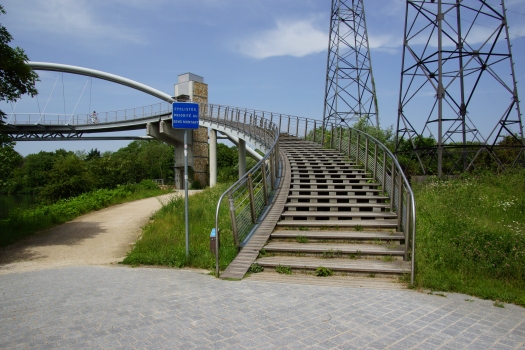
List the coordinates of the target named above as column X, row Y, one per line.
column 335, row 217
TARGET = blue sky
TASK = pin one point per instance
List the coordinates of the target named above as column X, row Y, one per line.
column 262, row 54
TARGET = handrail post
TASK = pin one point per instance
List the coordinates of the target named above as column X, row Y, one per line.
column 297, row 127
column 231, row 203
column 273, row 164
column 384, row 172
column 265, row 186
column 315, row 129
column 407, row 227
column 375, row 161
column 366, row 153
column 357, row 148
column 322, row 135
column 252, row 198
column 331, row 135
column 288, row 129
column 305, row 129
column 400, row 203
column 349, row 143
column 340, row 138
column 392, row 186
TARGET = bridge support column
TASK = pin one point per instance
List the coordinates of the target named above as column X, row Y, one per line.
column 213, row 157
column 242, row 158
column 192, row 87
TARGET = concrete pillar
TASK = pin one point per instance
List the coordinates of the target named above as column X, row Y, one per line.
column 193, row 88
column 242, row 158
column 213, row 157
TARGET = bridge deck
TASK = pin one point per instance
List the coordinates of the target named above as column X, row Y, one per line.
column 240, row 265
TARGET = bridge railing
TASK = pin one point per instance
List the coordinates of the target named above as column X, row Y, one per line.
column 121, row 115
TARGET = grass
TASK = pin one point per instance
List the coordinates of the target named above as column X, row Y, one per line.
column 322, row 271
column 282, row 269
column 23, row 223
column 301, row 239
column 471, row 236
column 163, row 240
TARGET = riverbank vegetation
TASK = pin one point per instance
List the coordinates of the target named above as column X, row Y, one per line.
column 22, row 223
column 68, row 184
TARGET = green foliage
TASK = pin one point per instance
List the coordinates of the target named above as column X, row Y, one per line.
column 22, row 223
column 255, row 268
column 283, row 269
column 63, row 174
column 9, row 161
column 163, row 240
column 322, row 271
column 67, row 178
column 471, row 236
column 16, row 77
column 301, row 239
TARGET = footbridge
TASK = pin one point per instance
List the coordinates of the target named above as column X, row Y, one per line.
column 323, row 198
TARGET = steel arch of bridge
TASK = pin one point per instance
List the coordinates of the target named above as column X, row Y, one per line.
column 57, row 67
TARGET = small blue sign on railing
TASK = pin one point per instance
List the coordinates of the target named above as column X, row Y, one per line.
column 185, row 115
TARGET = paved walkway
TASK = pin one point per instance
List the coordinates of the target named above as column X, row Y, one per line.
column 102, row 307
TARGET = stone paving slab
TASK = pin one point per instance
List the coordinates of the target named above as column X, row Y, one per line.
column 95, row 307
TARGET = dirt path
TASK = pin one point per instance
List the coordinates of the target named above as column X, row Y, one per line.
column 98, row 238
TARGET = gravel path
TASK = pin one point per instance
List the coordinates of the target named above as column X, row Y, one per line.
column 99, row 238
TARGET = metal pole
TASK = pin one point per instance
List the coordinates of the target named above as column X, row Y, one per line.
column 440, row 90
column 252, row 198
column 265, row 186
column 400, row 203
column 340, row 137
column 375, row 161
column 231, row 203
column 186, row 192
column 366, row 154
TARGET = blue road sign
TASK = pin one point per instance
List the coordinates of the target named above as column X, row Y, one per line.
column 185, row 115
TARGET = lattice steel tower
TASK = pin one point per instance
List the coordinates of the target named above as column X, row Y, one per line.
column 458, row 101
column 349, row 91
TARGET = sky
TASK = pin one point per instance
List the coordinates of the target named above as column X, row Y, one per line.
column 268, row 55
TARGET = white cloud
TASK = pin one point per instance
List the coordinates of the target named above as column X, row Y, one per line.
column 77, row 19
column 291, row 38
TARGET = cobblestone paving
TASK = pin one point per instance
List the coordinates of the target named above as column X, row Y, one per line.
column 96, row 307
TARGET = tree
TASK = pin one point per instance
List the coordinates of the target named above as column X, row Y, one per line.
column 16, row 77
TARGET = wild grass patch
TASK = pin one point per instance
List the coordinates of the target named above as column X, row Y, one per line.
column 163, row 241
column 471, row 236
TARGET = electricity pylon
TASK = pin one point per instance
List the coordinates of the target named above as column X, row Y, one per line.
column 458, row 99
column 350, row 91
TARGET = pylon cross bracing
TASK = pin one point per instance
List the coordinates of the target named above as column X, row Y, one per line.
column 350, row 91
column 456, row 58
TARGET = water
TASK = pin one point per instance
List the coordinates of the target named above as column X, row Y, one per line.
column 13, row 201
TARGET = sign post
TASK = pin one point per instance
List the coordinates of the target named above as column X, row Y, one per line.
column 185, row 116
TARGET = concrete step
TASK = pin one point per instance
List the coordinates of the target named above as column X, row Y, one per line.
column 335, row 249
column 340, row 265
column 342, row 172
column 329, row 190
column 333, row 197
column 337, row 206
column 366, row 224
column 338, row 235
column 337, row 215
